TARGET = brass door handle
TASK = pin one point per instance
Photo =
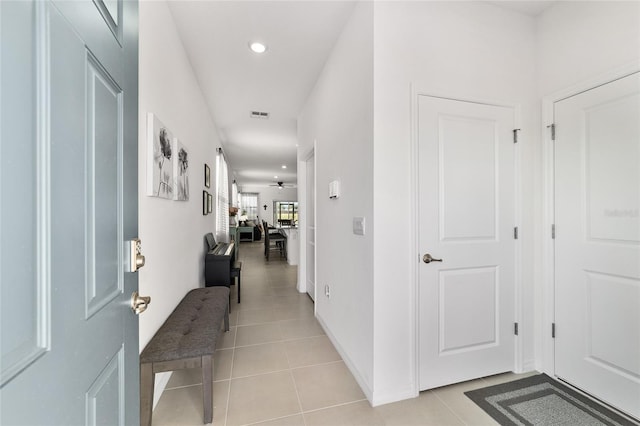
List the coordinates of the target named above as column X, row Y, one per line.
column 427, row 258
column 139, row 303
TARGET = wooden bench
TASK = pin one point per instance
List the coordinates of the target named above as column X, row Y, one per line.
column 187, row 339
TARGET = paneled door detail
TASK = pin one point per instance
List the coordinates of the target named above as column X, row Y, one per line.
column 466, row 240
column 69, row 204
column 597, row 245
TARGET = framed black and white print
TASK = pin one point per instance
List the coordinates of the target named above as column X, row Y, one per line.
column 207, row 176
column 205, row 203
column 160, row 161
column 181, row 171
column 210, row 203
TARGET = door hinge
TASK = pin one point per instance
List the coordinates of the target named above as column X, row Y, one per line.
column 515, row 328
column 515, row 233
column 553, row 131
column 553, row 330
column 553, row 231
column 515, row 135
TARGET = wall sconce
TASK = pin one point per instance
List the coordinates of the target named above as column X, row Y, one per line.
column 264, row 207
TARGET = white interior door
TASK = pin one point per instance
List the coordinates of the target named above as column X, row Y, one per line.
column 597, row 245
column 69, row 143
column 311, row 227
column 466, row 178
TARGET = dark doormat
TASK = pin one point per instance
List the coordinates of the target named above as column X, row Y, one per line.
column 541, row 401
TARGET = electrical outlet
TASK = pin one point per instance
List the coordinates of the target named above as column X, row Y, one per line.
column 327, row 292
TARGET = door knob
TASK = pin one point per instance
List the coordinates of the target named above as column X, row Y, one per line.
column 427, row 258
column 136, row 259
column 139, row 303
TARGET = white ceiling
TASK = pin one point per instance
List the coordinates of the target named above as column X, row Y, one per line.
column 235, row 81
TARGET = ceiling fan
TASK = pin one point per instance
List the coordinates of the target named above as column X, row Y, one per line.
column 281, row 185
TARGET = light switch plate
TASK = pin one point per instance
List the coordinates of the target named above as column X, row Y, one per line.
column 358, row 225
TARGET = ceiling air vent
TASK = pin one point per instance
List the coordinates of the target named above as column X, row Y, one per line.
column 259, row 114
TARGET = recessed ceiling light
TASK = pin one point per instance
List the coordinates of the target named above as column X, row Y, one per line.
column 284, row 167
column 275, row 177
column 257, row 47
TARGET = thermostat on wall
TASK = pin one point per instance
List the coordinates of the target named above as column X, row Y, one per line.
column 334, row 189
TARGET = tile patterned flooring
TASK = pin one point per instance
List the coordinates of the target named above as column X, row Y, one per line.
column 277, row 367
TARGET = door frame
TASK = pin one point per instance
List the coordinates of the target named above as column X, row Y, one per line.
column 545, row 344
column 418, row 90
column 303, row 157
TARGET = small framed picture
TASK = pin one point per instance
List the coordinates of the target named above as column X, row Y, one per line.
column 160, row 164
column 207, row 176
column 210, row 203
column 205, row 203
column 180, row 171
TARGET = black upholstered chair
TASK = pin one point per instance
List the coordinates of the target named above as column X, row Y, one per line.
column 274, row 241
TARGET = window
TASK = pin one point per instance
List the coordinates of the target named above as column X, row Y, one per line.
column 285, row 212
column 234, row 195
column 249, row 205
column 222, row 199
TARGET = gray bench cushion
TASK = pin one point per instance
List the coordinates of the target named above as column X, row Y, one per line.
column 190, row 331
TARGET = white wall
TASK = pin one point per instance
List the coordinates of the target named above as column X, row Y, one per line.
column 171, row 231
column 583, row 44
column 578, row 41
column 338, row 115
column 467, row 50
column 267, row 195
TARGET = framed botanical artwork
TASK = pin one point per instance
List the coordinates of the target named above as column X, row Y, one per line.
column 210, row 203
column 207, row 176
column 181, row 172
column 205, row 203
column 160, row 167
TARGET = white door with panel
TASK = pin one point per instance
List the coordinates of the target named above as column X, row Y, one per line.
column 597, row 244
column 311, row 227
column 466, row 240
column 69, row 202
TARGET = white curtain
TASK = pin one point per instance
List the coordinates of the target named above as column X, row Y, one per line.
column 222, row 199
column 234, row 194
column 249, row 204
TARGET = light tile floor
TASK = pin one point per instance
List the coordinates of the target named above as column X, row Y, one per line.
column 277, row 367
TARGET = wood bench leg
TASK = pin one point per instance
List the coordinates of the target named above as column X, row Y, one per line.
column 146, row 393
column 226, row 319
column 207, row 387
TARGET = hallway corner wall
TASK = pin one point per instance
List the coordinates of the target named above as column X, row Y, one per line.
column 172, row 232
column 338, row 116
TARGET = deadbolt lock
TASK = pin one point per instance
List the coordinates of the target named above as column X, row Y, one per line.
column 139, row 303
column 136, row 259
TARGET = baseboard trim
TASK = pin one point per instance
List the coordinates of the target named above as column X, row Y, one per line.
column 529, row 365
column 382, row 398
column 368, row 392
